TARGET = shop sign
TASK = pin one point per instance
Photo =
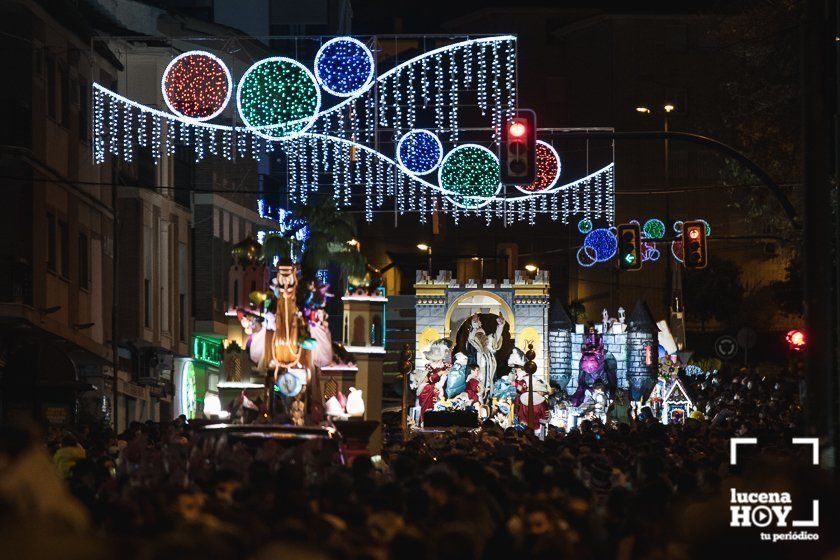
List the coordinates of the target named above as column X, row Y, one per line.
column 207, row 350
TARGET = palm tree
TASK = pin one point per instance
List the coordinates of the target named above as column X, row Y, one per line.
column 330, row 232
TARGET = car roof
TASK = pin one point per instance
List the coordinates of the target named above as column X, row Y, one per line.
column 271, row 431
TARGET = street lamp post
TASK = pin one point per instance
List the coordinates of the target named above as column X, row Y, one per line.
column 428, row 249
column 673, row 275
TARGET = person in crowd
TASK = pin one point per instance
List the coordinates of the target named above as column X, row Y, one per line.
column 628, row 487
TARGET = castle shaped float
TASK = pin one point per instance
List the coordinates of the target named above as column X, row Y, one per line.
column 624, row 347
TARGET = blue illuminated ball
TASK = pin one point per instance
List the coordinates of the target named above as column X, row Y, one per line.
column 419, row 152
column 602, row 242
column 343, row 66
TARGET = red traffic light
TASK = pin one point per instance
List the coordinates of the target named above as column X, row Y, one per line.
column 694, row 245
column 518, row 149
column 796, row 339
column 517, row 129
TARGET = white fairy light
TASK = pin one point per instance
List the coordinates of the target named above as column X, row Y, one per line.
column 411, row 102
column 142, row 130
column 453, row 99
column 127, row 128
column 439, row 85
column 156, row 131
column 397, row 124
column 382, row 95
column 199, row 145
column 113, row 128
column 212, row 147
column 482, row 79
column 424, row 81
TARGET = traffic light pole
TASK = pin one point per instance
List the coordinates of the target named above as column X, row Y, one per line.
column 724, row 149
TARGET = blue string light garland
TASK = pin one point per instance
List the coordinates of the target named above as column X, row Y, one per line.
column 343, row 66
column 419, row 152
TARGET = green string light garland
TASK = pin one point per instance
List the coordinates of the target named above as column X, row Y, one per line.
column 471, row 171
column 279, row 97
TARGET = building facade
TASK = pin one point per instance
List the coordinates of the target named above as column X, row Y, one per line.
column 57, row 222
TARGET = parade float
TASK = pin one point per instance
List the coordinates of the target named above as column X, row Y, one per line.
column 501, row 350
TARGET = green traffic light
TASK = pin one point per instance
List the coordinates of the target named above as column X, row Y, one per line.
column 629, row 258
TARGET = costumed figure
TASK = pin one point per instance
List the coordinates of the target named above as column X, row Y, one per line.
column 619, row 409
column 593, row 367
column 254, row 327
column 529, row 413
column 473, row 385
column 456, row 380
column 431, row 389
column 315, row 313
column 287, row 351
column 486, row 347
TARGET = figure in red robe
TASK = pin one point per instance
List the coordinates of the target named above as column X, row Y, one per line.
column 430, row 393
column 473, row 383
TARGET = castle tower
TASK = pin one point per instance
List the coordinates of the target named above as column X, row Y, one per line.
column 642, row 352
column 559, row 346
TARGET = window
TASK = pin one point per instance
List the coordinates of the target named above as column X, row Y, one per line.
column 182, row 317
column 51, row 249
column 64, row 96
column 84, row 123
column 84, row 262
column 163, row 274
column 38, row 60
column 147, row 303
column 147, row 276
column 51, row 87
column 64, row 247
column 182, row 292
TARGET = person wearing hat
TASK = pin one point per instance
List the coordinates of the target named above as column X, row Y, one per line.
column 486, row 346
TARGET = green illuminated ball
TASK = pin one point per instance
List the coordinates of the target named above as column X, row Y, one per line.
column 654, row 228
column 471, row 171
column 278, row 98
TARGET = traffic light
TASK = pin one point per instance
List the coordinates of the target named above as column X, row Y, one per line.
column 796, row 340
column 695, row 255
column 518, row 156
column 629, row 247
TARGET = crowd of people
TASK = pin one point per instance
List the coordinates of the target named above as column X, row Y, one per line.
column 620, row 489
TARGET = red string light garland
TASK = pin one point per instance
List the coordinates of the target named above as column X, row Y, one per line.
column 196, row 85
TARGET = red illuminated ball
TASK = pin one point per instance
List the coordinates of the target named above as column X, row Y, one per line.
column 548, row 169
column 196, row 85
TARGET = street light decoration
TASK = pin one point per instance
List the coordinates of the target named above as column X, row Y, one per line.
column 326, row 116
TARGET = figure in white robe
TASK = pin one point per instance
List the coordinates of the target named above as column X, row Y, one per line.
column 486, row 347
